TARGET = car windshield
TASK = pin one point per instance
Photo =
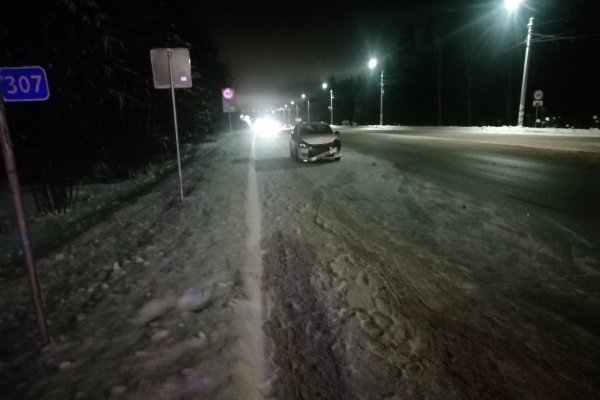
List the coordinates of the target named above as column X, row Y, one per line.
column 315, row 129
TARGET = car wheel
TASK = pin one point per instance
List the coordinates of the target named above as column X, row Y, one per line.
column 338, row 158
column 297, row 157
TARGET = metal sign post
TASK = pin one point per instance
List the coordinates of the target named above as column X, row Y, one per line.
column 228, row 103
column 538, row 95
column 537, row 104
column 171, row 68
column 18, row 81
column 170, row 56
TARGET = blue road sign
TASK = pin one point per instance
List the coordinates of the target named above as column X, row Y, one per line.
column 24, row 83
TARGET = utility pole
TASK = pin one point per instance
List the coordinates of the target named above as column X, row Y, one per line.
column 525, row 70
column 331, row 105
column 381, row 101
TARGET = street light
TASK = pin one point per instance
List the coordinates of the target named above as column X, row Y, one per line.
column 513, row 5
column 307, row 107
column 372, row 64
column 324, row 86
column 296, row 108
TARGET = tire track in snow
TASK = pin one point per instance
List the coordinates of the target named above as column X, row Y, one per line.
column 253, row 371
column 309, row 350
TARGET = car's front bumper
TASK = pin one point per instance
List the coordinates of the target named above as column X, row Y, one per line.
column 312, row 153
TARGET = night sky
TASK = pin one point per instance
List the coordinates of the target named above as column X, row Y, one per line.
column 276, row 52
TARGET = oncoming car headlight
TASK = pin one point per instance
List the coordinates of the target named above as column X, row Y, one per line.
column 303, row 145
column 266, row 127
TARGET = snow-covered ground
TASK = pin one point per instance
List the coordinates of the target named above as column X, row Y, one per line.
column 151, row 301
column 349, row 280
column 386, row 286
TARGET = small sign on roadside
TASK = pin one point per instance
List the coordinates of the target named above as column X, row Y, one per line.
column 180, row 63
column 24, row 84
column 228, row 100
column 172, row 69
column 228, row 93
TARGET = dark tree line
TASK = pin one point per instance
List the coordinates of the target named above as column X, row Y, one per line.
column 461, row 63
column 103, row 121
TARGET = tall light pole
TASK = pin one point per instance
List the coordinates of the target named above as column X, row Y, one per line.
column 324, row 86
column 372, row 64
column 307, row 107
column 525, row 70
column 296, row 107
column 381, row 101
column 511, row 6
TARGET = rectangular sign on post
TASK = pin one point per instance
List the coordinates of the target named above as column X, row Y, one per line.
column 24, row 84
column 172, row 69
column 181, row 64
column 229, row 106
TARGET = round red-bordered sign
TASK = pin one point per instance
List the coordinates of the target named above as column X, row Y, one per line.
column 228, row 93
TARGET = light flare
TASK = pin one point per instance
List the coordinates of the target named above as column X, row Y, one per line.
column 512, row 5
column 265, row 126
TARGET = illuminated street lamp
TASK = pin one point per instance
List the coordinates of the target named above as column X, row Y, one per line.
column 324, row 86
column 307, row 107
column 372, row 65
column 296, row 108
column 511, row 6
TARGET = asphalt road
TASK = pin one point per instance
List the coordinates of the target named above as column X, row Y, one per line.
column 554, row 176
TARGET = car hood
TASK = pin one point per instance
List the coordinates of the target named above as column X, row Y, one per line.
column 318, row 139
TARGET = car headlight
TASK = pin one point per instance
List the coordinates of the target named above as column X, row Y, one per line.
column 303, row 145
